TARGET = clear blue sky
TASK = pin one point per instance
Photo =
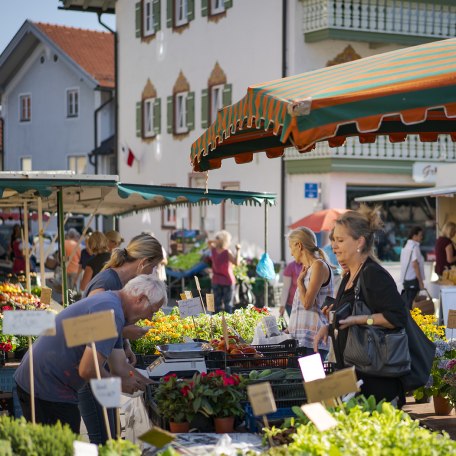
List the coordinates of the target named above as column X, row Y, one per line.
column 13, row 13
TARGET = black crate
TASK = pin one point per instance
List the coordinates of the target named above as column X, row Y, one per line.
column 144, row 361
column 287, row 345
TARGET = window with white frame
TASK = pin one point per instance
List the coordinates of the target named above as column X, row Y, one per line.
column 181, row 113
column 181, row 12
column 148, row 18
column 72, row 99
column 216, row 100
column 25, row 108
column 26, row 163
column 217, row 6
column 77, row 163
column 149, row 124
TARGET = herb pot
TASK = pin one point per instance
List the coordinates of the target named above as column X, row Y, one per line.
column 224, row 425
column 442, row 406
column 179, row 427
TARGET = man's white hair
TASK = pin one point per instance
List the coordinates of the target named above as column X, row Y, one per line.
column 149, row 285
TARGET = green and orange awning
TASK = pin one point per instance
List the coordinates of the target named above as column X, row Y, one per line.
column 409, row 91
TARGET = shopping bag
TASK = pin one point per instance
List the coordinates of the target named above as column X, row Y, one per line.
column 137, row 421
column 423, row 301
column 265, row 267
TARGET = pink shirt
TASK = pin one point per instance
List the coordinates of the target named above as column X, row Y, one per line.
column 222, row 268
column 292, row 270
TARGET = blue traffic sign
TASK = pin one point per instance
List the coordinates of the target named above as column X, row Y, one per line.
column 310, row 190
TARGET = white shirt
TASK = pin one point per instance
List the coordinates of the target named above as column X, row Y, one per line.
column 410, row 253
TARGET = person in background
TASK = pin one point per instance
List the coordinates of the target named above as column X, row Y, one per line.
column 60, row 371
column 353, row 245
column 114, row 239
column 141, row 256
column 290, row 278
column 223, row 280
column 97, row 245
column 73, row 255
column 412, row 266
column 314, row 284
column 16, row 234
column 445, row 251
column 85, row 254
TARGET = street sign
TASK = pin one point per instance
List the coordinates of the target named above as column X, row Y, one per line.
column 311, row 190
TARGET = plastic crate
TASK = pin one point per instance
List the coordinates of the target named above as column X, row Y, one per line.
column 287, row 345
column 6, row 379
column 152, row 408
column 255, row 423
column 144, row 361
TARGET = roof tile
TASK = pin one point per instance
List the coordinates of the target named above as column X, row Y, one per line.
column 90, row 49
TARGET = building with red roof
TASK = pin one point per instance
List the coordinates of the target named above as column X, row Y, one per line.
column 57, row 95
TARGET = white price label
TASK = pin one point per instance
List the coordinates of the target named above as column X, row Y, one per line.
column 210, row 303
column 319, row 416
column 261, row 398
column 107, row 391
column 84, row 449
column 29, row 322
column 190, row 307
column 311, row 367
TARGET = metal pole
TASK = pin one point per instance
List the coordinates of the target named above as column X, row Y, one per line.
column 61, row 230
column 41, row 242
column 266, row 300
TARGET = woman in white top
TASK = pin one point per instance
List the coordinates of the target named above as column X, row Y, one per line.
column 315, row 283
column 412, row 266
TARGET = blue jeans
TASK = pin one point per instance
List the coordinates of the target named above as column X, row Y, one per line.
column 92, row 414
column 223, row 294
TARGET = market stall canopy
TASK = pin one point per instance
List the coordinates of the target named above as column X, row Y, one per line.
column 104, row 195
column 319, row 221
column 408, row 91
column 449, row 191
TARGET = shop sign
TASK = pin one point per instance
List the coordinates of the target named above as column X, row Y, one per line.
column 424, row 172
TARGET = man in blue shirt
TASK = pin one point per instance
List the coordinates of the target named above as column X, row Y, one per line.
column 60, row 371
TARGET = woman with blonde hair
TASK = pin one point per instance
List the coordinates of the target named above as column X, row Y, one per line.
column 141, row 256
column 223, row 280
column 353, row 245
column 314, row 284
column 97, row 245
column 445, row 251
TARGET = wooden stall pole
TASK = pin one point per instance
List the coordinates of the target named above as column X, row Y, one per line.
column 61, row 230
column 26, row 249
column 32, row 381
column 41, row 242
column 265, row 250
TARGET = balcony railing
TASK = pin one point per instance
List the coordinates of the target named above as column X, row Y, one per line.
column 432, row 19
column 412, row 149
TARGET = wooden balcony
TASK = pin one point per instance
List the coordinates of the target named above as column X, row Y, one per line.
column 379, row 21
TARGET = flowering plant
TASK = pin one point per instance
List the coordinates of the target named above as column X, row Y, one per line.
column 428, row 324
column 219, row 394
column 175, row 398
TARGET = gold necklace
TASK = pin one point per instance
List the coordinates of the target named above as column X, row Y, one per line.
column 350, row 282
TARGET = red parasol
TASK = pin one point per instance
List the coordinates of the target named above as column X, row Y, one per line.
column 319, row 221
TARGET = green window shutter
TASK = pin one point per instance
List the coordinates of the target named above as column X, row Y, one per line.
column 227, row 94
column 191, row 111
column 139, row 120
column 157, row 116
column 191, row 10
column 228, row 4
column 204, row 8
column 170, row 114
column 205, row 108
column 138, row 20
column 157, row 15
column 169, row 13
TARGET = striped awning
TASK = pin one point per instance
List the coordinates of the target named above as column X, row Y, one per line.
column 409, row 91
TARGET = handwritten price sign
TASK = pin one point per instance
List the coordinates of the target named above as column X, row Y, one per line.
column 190, row 307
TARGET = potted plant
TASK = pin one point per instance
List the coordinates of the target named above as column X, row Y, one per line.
column 219, row 395
column 174, row 398
column 441, row 385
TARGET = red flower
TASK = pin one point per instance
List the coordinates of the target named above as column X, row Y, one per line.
column 203, row 374
column 167, row 378
column 7, row 308
column 185, row 390
column 220, row 373
column 228, row 381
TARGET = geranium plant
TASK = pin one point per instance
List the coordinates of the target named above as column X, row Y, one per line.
column 175, row 399
column 219, row 394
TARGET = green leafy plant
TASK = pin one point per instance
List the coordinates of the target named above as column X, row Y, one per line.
column 119, row 448
column 175, row 399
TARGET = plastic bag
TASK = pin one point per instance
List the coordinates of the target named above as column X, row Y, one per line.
column 265, row 267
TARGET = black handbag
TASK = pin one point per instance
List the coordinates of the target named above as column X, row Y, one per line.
column 375, row 350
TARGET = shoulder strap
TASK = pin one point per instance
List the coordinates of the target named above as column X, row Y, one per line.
column 408, row 264
column 360, row 286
